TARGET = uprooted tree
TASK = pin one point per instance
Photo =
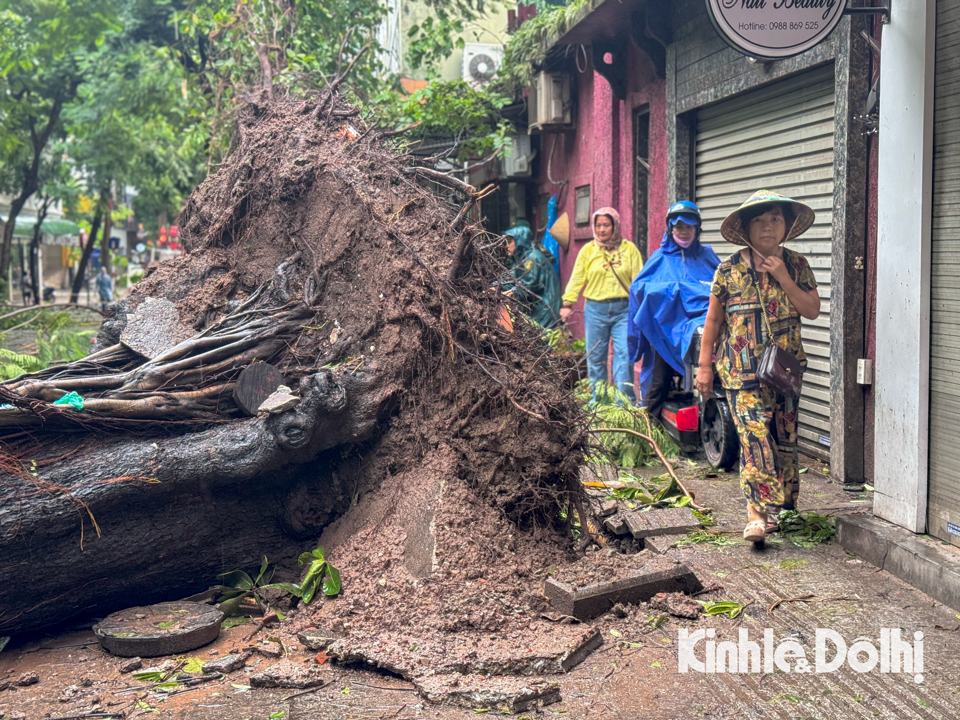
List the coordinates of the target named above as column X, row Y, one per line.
column 320, row 251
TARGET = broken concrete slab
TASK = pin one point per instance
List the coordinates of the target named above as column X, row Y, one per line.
column 317, row 639
column 617, row 525
column 226, row 664
column 656, row 576
column 607, row 508
column 154, row 328
column 667, row 521
column 513, row 694
column 269, row 649
column 547, row 649
column 660, row 544
column 287, row 674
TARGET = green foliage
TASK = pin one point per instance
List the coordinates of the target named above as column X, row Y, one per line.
column 450, row 110
column 563, row 342
column 320, row 574
column 57, row 341
column 526, row 50
column 619, row 411
column 700, row 537
column 806, row 529
column 237, row 585
column 15, row 364
column 658, row 491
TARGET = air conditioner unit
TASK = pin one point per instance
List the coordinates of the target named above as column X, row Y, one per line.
column 519, row 161
column 550, row 103
column 481, row 62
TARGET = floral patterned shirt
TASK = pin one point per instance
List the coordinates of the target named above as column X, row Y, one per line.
column 744, row 337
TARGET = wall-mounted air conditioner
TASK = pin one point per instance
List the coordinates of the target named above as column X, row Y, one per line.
column 551, row 107
column 481, row 62
column 518, row 162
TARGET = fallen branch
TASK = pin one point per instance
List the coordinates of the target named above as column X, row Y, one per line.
column 807, row 599
column 44, row 307
column 308, row 691
column 663, row 459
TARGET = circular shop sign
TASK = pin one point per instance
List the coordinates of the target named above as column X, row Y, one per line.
column 775, row 29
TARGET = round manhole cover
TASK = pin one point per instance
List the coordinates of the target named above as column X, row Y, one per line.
column 166, row 628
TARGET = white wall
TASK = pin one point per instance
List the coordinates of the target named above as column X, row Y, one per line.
column 902, row 380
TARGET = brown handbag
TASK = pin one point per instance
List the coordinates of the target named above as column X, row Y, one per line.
column 779, row 369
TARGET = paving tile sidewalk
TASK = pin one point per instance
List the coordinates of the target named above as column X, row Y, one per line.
column 624, row 681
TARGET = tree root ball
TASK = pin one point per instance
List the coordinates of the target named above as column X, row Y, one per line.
column 442, row 444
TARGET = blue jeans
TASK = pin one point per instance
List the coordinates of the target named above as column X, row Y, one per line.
column 603, row 321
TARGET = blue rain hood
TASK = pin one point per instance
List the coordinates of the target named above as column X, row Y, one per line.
column 668, row 302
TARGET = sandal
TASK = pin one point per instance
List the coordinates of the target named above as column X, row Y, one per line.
column 755, row 531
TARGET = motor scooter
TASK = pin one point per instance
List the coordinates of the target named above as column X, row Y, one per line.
column 704, row 422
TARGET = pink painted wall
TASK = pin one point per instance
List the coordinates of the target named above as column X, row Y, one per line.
column 600, row 153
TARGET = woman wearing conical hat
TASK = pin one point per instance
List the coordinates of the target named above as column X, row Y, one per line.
column 760, row 291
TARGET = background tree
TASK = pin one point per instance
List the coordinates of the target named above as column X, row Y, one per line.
column 43, row 50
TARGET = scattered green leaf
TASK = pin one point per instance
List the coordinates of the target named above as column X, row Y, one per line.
column 150, row 676
column 193, row 665
column 806, row 529
column 165, row 624
column 923, row 703
column 793, row 564
column 731, row 608
column 700, row 536
column 655, row 664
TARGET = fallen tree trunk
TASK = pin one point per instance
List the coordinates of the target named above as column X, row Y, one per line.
column 162, row 519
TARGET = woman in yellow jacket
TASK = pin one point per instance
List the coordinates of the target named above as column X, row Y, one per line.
column 606, row 266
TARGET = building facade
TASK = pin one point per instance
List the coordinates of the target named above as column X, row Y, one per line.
column 665, row 110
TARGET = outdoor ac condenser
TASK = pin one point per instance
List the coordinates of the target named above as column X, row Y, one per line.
column 519, row 161
column 481, row 62
column 550, row 103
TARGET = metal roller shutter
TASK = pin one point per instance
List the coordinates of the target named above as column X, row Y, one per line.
column 943, row 514
column 779, row 138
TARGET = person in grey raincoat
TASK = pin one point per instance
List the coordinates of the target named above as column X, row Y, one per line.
column 535, row 283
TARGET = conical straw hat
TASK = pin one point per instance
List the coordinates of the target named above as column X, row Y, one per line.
column 561, row 231
column 733, row 231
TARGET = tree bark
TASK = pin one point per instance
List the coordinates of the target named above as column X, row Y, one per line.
column 171, row 513
column 31, row 176
column 36, row 273
column 105, row 235
column 85, row 255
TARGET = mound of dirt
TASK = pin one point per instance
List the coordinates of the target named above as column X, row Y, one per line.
column 443, row 436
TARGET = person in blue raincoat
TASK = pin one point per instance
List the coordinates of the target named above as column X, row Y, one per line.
column 534, row 281
column 668, row 302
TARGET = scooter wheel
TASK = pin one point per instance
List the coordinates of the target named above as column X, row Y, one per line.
column 718, row 433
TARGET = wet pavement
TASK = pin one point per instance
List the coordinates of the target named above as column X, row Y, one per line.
column 634, row 674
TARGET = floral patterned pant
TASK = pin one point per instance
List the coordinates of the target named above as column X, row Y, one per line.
column 767, row 425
